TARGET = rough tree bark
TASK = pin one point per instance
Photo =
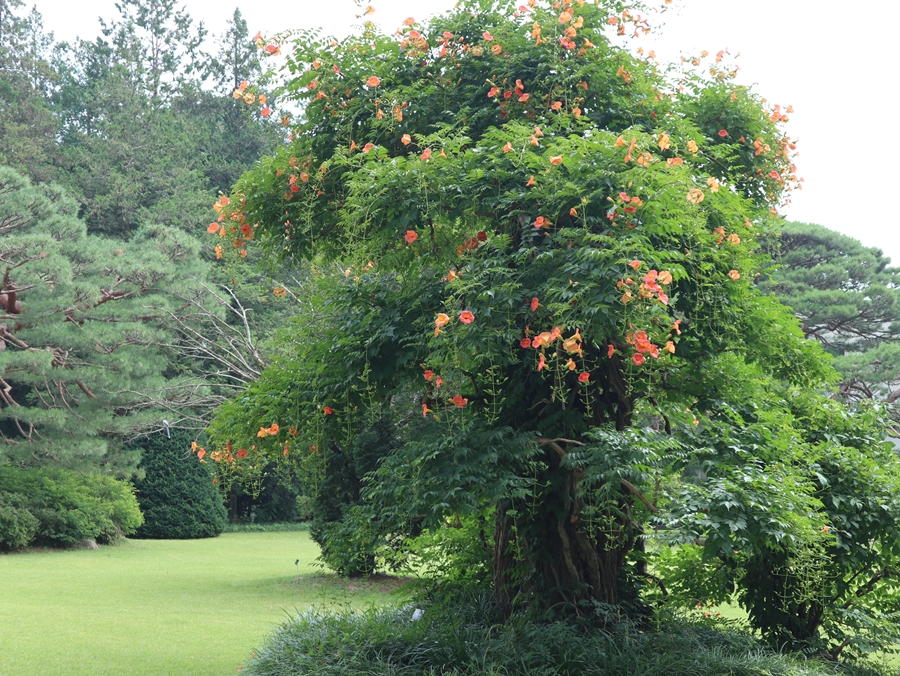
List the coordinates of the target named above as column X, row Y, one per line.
column 564, row 560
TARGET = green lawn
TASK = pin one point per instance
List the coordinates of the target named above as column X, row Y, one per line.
column 161, row 607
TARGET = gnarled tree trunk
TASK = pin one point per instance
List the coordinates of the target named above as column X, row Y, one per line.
column 551, row 557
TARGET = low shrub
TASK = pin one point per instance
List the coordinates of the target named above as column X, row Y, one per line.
column 59, row 508
column 464, row 639
column 18, row 527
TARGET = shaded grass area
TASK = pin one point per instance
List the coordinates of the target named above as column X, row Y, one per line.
column 191, row 607
column 460, row 639
column 278, row 527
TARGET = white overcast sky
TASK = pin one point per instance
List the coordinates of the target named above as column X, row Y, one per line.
column 835, row 62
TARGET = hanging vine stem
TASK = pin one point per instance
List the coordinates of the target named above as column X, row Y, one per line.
column 495, row 391
column 368, row 392
column 585, row 392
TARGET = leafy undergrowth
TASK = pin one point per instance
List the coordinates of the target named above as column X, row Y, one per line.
column 276, row 527
column 462, row 640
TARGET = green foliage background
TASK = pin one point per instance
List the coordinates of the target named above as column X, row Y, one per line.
column 516, row 167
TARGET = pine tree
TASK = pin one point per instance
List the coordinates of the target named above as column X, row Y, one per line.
column 81, row 348
column 176, row 494
column 847, row 297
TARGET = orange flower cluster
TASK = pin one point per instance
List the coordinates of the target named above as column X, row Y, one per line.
column 778, row 116
column 641, row 26
column 250, row 98
column 545, row 338
column 632, row 203
column 760, row 147
column 472, row 243
column 459, row 401
column 219, row 456
column 695, row 196
column 240, row 92
column 650, row 287
column 414, row 42
column 571, row 345
column 236, row 227
column 644, row 347
column 442, row 319
column 272, row 430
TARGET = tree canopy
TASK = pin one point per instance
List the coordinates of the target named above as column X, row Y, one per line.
column 112, row 317
column 530, row 314
column 26, row 122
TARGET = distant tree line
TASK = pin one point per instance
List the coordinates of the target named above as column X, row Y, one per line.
column 113, row 316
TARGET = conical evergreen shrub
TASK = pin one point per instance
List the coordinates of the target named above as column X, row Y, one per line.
column 177, row 495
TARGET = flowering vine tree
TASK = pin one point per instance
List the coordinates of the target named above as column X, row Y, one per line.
column 546, row 245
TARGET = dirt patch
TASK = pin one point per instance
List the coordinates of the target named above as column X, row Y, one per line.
column 379, row 583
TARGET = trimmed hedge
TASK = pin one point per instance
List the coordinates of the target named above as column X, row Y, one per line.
column 177, row 494
column 60, row 508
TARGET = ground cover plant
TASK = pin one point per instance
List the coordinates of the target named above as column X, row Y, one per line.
column 192, row 607
column 533, row 319
column 464, row 638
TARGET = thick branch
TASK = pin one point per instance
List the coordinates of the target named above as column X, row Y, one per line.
column 634, row 490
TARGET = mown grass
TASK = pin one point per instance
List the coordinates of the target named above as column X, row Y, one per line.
column 186, row 607
column 201, row 607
